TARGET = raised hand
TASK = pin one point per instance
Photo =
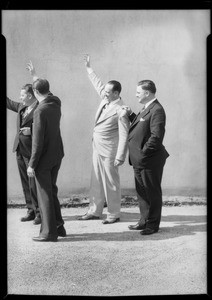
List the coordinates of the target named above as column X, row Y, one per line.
column 87, row 60
column 32, row 71
column 31, row 68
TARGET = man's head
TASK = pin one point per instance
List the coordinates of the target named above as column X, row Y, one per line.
column 40, row 88
column 145, row 91
column 112, row 90
column 27, row 95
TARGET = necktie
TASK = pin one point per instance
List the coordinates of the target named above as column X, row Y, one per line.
column 143, row 108
column 25, row 113
column 104, row 108
column 138, row 115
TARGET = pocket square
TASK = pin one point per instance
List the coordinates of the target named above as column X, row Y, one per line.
column 141, row 119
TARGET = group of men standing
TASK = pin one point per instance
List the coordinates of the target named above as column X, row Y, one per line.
column 39, row 151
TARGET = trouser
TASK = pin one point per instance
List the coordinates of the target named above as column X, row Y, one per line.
column 28, row 185
column 49, row 204
column 105, row 186
column 149, row 194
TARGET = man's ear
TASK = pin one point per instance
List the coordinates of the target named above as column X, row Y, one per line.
column 36, row 91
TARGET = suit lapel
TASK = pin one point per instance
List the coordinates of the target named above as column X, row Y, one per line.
column 111, row 110
column 103, row 102
column 142, row 114
column 146, row 111
column 29, row 116
column 20, row 113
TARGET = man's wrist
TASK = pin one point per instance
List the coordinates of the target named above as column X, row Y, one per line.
column 34, row 78
column 89, row 70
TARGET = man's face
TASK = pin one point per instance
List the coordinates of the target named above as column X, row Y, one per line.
column 141, row 94
column 25, row 97
column 109, row 94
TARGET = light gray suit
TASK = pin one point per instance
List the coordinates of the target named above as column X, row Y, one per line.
column 109, row 143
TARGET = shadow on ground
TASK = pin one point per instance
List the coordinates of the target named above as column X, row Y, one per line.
column 125, row 217
column 181, row 225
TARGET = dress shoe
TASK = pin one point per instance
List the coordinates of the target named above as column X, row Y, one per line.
column 110, row 221
column 137, row 226
column 28, row 217
column 42, row 239
column 37, row 220
column 61, row 231
column 88, row 217
column 148, row 231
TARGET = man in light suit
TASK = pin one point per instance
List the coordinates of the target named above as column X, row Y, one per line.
column 109, row 149
column 23, row 146
column 46, row 158
column 147, row 155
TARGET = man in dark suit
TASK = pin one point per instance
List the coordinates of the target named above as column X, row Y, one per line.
column 46, row 158
column 147, row 155
column 22, row 146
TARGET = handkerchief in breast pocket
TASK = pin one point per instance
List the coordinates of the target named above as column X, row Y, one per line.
column 141, row 119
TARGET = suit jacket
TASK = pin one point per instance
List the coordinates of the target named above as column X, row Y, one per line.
column 47, row 145
column 111, row 128
column 146, row 135
column 24, row 142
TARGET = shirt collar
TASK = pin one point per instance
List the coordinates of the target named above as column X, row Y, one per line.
column 115, row 101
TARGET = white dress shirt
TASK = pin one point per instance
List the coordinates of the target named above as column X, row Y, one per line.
column 148, row 103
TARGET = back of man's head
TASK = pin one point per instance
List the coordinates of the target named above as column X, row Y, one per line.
column 116, row 86
column 41, row 85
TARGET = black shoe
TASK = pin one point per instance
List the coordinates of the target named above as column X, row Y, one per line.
column 88, row 217
column 137, row 226
column 28, row 217
column 110, row 221
column 37, row 220
column 148, row 231
column 61, row 231
column 42, row 239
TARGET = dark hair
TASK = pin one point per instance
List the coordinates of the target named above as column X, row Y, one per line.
column 28, row 88
column 148, row 85
column 41, row 85
column 116, row 86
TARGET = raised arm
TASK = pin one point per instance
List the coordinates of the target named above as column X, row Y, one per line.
column 36, row 146
column 32, row 71
column 13, row 105
column 98, row 85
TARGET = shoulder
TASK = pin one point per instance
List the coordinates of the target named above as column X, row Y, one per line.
column 158, row 107
column 39, row 111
